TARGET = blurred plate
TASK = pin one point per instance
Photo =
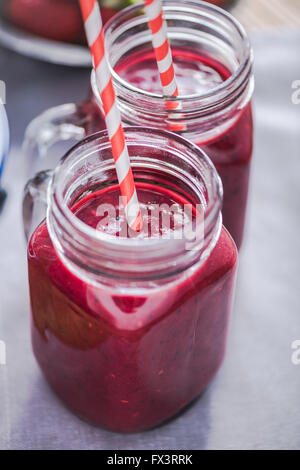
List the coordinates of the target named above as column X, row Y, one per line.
column 62, row 53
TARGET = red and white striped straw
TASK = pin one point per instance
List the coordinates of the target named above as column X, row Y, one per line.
column 163, row 54
column 95, row 37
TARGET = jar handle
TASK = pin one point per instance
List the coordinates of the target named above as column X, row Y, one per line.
column 35, row 201
column 61, row 123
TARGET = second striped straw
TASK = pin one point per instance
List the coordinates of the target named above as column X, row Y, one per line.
column 95, row 36
column 163, row 54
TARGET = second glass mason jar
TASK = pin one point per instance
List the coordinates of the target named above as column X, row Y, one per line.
column 128, row 331
column 213, row 66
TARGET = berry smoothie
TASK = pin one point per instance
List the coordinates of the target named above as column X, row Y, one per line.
column 128, row 360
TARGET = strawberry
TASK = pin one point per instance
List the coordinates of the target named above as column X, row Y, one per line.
column 222, row 3
column 53, row 19
column 107, row 13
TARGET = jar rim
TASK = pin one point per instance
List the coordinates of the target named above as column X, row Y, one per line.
column 236, row 79
column 57, row 197
column 61, row 216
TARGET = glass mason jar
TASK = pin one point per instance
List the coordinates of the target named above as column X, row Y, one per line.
column 213, row 65
column 213, row 62
column 128, row 331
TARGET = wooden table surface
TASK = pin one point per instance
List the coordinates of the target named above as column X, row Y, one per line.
column 268, row 14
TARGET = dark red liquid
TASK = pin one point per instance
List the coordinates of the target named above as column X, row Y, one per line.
column 127, row 362
column 231, row 150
